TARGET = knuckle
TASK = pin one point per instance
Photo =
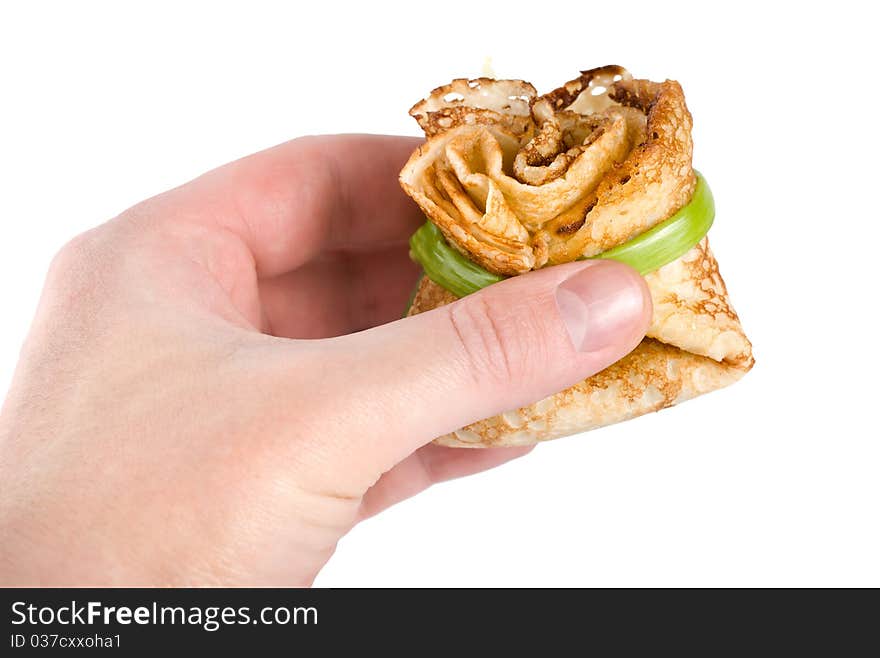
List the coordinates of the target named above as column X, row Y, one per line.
column 73, row 256
column 85, row 269
column 500, row 342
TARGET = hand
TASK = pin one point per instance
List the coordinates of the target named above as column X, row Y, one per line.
column 217, row 385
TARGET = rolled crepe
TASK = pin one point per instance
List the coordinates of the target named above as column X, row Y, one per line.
column 517, row 181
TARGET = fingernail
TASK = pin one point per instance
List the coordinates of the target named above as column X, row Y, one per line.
column 600, row 304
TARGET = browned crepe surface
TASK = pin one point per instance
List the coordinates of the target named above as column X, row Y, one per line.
column 517, row 181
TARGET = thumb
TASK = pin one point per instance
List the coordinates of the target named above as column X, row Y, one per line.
column 504, row 347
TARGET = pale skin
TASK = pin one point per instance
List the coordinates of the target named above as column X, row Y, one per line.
column 217, row 384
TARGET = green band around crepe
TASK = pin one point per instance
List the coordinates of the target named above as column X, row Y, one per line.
column 647, row 252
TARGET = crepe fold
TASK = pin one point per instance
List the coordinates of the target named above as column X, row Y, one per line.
column 517, row 181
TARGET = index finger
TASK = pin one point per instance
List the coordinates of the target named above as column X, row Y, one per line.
column 292, row 201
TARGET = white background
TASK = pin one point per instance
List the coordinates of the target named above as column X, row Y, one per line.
column 771, row 482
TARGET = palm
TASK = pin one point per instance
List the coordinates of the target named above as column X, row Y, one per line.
column 338, row 292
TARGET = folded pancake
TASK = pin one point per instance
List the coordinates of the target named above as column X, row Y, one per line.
column 516, row 181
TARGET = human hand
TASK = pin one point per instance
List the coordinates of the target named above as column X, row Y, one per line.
column 217, row 387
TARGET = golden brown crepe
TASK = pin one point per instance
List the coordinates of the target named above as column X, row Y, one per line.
column 517, row 181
